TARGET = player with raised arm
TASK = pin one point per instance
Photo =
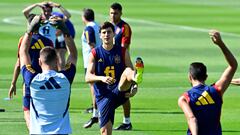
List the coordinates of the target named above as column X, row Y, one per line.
column 111, row 71
column 48, row 93
column 202, row 104
column 48, row 30
column 37, row 43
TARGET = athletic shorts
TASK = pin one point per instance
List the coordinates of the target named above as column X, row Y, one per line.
column 108, row 103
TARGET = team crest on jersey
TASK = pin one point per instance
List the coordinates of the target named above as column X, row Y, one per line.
column 117, row 59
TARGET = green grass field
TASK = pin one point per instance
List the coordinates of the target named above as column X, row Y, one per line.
column 168, row 34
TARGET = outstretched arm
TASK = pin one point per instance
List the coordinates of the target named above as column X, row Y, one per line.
column 191, row 119
column 72, row 50
column 28, row 9
column 67, row 15
column 23, row 53
column 223, row 83
column 236, row 81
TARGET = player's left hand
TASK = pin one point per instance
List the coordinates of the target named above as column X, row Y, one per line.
column 60, row 24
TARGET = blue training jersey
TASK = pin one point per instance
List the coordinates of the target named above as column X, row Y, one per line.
column 49, row 31
column 49, row 99
column 206, row 104
column 90, row 35
column 108, row 63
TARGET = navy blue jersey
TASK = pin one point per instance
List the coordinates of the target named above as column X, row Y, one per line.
column 206, row 104
column 37, row 43
column 108, row 63
column 90, row 34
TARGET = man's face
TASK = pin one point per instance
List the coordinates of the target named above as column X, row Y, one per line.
column 115, row 15
column 107, row 35
column 47, row 12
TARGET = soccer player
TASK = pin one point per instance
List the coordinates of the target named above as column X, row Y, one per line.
column 123, row 38
column 111, row 71
column 202, row 104
column 37, row 43
column 48, row 30
column 90, row 39
column 123, row 31
column 49, row 91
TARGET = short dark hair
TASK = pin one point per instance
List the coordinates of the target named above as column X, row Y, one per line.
column 88, row 14
column 106, row 25
column 48, row 55
column 198, row 71
column 47, row 5
column 116, row 6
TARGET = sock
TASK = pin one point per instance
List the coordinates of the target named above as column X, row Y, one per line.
column 95, row 112
column 126, row 120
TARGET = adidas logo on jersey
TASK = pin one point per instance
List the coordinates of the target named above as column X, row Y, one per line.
column 38, row 45
column 50, row 84
column 100, row 60
column 205, row 99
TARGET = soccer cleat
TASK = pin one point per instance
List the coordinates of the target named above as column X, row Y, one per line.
column 124, row 127
column 91, row 122
column 139, row 68
column 134, row 89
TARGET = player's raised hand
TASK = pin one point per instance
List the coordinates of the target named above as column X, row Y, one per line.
column 216, row 37
column 42, row 4
column 60, row 24
column 34, row 24
column 52, row 4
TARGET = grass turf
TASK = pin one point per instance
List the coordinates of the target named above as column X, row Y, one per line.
column 168, row 34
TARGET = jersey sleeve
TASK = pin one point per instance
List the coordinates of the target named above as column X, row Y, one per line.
column 69, row 72
column 217, row 90
column 185, row 94
column 90, row 35
column 127, row 33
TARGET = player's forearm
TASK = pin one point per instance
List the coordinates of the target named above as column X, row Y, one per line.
column 192, row 123
column 229, row 57
column 235, row 81
column 23, row 53
column 72, row 50
column 92, row 78
column 16, row 72
column 28, row 9
column 65, row 12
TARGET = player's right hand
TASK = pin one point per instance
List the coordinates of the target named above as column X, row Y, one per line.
column 12, row 90
column 108, row 80
column 216, row 37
